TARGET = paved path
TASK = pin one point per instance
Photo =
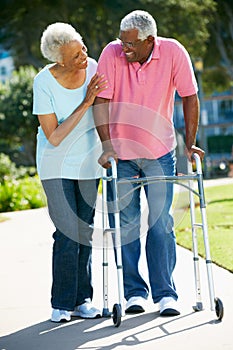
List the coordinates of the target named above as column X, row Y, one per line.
column 25, row 277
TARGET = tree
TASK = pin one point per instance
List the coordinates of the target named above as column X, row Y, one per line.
column 218, row 59
column 18, row 126
column 98, row 22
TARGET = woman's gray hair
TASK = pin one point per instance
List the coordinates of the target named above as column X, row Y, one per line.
column 55, row 36
column 142, row 21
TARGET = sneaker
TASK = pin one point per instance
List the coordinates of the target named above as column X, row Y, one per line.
column 86, row 310
column 135, row 305
column 60, row 315
column 168, row 307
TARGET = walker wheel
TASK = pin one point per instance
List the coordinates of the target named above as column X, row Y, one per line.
column 219, row 308
column 116, row 315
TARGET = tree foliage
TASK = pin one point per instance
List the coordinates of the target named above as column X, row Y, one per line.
column 205, row 27
column 218, row 74
column 17, row 124
column 98, row 22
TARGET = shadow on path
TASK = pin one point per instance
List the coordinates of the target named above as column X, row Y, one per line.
column 75, row 334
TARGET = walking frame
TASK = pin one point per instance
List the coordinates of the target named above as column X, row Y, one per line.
column 118, row 309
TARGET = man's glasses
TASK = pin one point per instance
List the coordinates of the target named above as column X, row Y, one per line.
column 130, row 44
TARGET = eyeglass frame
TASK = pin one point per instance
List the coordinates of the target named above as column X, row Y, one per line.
column 130, row 44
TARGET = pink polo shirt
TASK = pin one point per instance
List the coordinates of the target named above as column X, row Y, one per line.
column 142, row 97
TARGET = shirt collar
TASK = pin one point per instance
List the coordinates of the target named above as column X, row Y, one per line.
column 155, row 53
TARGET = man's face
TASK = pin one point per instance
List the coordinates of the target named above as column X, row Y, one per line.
column 135, row 50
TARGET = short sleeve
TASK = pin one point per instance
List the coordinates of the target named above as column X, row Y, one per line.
column 42, row 101
column 106, row 66
column 184, row 77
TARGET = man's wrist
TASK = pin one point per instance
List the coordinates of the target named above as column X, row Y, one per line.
column 107, row 146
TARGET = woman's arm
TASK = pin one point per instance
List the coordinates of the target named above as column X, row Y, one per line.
column 57, row 133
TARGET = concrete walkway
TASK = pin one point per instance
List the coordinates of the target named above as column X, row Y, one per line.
column 25, row 280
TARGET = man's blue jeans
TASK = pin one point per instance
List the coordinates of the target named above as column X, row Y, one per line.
column 160, row 239
column 71, row 208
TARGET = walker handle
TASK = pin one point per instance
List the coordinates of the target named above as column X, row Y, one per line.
column 197, row 160
column 114, row 167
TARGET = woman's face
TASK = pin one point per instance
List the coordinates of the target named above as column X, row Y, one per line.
column 74, row 55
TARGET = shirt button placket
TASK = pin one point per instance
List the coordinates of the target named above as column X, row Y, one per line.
column 141, row 76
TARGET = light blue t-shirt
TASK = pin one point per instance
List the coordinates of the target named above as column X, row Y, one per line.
column 77, row 155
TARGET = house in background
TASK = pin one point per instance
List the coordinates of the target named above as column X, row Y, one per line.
column 6, row 65
column 215, row 133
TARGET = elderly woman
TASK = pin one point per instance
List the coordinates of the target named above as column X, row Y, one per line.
column 67, row 152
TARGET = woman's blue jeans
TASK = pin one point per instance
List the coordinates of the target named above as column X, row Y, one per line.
column 71, row 208
column 160, row 239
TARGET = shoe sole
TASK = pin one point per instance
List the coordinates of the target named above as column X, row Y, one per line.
column 63, row 319
column 134, row 309
column 169, row 312
column 86, row 316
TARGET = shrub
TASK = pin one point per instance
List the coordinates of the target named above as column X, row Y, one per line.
column 19, row 190
column 9, row 171
column 26, row 193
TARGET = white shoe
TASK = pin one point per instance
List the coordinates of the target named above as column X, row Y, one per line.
column 86, row 310
column 168, row 307
column 135, row 305
column 60, row 315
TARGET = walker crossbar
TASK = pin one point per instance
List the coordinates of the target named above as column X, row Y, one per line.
column 153, row 179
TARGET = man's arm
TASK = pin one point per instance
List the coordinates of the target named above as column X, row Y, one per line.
column 101, row 117
column 191, row 111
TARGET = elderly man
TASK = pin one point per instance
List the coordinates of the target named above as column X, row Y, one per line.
column 134, row 119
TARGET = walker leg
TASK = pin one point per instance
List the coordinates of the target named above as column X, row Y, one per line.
column 199, row 305
column 105, row 312
column 208, row 260
column 117, row 245
column 215, row 303
column 119, row 310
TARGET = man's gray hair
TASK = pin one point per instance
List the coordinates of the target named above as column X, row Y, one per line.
column 55, row 36
column 142, row 21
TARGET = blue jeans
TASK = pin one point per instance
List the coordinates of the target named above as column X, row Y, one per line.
column 160, row 239
column 71, row 208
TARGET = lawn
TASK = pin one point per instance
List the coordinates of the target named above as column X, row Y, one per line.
column 219, row 211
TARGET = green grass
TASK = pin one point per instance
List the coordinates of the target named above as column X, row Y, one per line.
column 219, row 211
